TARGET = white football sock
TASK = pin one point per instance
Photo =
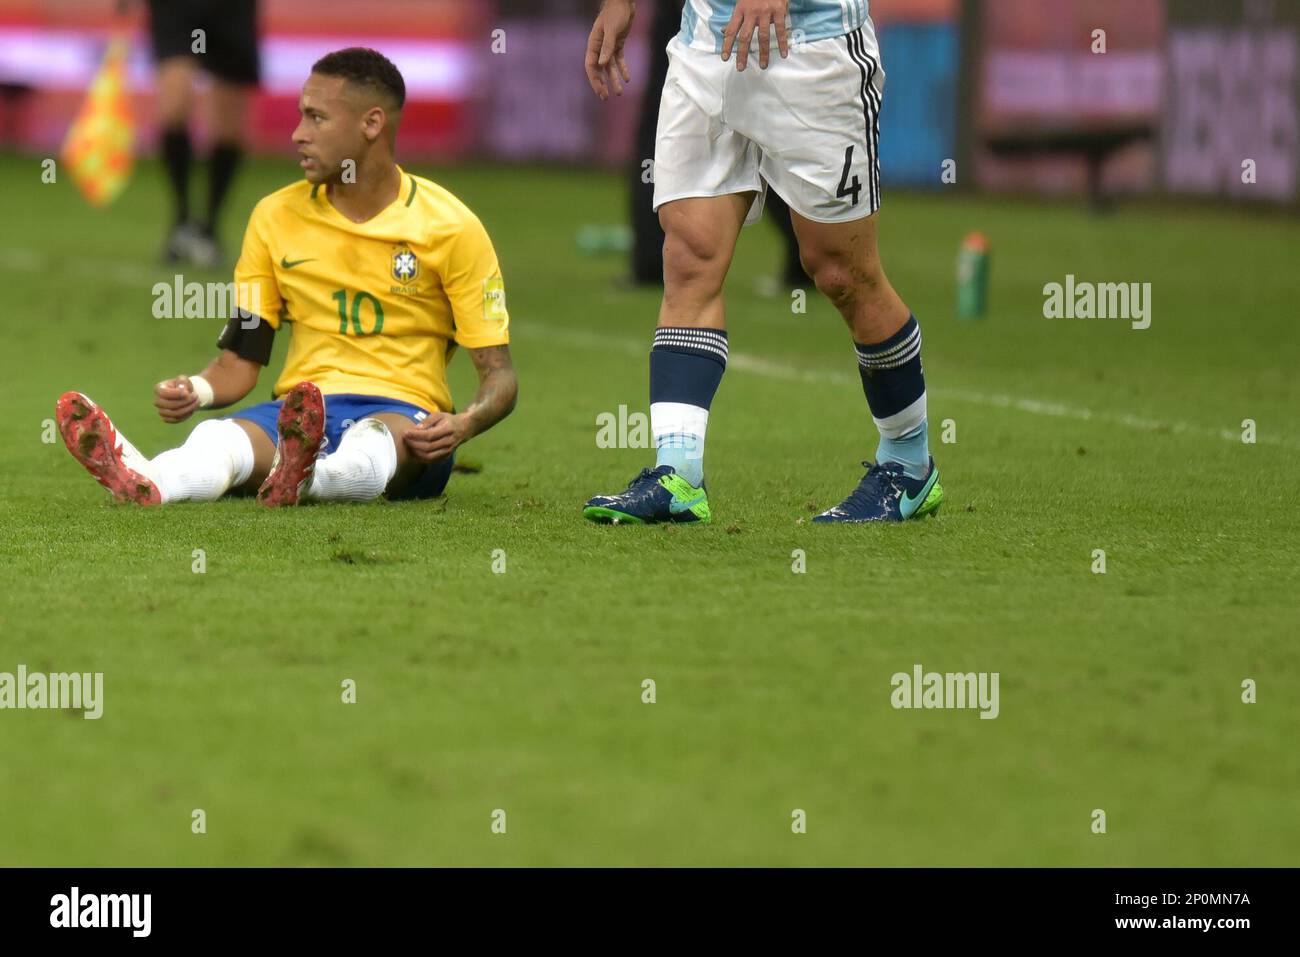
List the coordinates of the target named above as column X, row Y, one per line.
column 679, row 430
column 132, row 456
column 217, row 456
column 360, row 468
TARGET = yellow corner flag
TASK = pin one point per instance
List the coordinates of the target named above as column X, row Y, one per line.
column 98, row 150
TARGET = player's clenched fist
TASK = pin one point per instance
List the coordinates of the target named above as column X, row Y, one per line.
column 751, row 15
column 437, row 436
column 175, row 399
column 605, row 64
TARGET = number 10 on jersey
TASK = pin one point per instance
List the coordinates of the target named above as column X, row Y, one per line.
column 341, row 297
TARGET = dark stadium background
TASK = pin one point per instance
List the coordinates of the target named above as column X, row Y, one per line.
column 1008, row 88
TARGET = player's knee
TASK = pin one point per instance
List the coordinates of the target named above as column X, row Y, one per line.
column 843, row 283
column 835, row 280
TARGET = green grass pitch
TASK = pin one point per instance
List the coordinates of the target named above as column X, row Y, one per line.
column 522, row 691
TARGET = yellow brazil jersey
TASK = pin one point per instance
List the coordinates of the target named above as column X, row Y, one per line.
column 375, row 308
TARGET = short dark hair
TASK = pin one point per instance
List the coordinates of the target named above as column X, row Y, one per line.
column 365, row 67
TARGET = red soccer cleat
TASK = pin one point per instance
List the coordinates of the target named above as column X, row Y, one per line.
column 90, row 437
column 301, row 426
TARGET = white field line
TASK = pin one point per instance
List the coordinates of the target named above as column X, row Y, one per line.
column 757, row 365
column 22, row 260
column 126, row 274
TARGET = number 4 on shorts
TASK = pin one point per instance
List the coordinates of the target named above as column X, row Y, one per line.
column 846, row 188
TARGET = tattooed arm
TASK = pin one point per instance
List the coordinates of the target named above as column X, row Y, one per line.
column 497, row 389
column 439, row 435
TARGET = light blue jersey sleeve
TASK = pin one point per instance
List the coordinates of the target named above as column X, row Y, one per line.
column 704, row 20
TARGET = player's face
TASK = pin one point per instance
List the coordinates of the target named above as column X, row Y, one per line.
column 330, row 130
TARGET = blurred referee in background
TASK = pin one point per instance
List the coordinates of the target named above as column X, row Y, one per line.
column 226, row 49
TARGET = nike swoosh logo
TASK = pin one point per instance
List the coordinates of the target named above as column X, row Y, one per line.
column 287, row 263
column 677, row 507
column 908, row 505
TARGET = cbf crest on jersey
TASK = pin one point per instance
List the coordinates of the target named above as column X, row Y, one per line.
column 405, row 266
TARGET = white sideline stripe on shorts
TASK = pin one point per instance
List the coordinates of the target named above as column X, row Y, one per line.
column 24, row 260
column 871, row 106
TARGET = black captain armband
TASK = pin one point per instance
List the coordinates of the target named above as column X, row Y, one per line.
column 250, row 338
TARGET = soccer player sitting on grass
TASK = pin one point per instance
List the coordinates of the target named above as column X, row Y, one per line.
column 380, row 275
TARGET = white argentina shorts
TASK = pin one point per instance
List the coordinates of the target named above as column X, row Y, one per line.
column 808, row 125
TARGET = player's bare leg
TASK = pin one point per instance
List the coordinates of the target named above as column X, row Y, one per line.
column 263, row 455
column 687, row 360
column 844, row 262
column 699, row 241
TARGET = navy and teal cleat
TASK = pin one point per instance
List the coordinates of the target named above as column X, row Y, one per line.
column 656, row 495
column 887, row 494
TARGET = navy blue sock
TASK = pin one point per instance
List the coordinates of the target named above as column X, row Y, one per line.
column 686, row 365
column 894, row 383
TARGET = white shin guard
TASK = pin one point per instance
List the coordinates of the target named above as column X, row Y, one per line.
column 217, row 456
column 360, row 468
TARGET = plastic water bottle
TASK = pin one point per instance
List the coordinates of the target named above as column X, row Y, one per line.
column 599, row 240
column 973, row 276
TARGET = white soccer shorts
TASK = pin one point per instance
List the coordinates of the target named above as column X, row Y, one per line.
column 808, row 125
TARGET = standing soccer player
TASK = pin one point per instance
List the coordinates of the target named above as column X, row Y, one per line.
column 807, row 123
column 380, row 275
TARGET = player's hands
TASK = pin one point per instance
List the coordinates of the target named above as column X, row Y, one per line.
column 437, row 436
column 605, row 64
column 175, row 399
column 751, row 15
